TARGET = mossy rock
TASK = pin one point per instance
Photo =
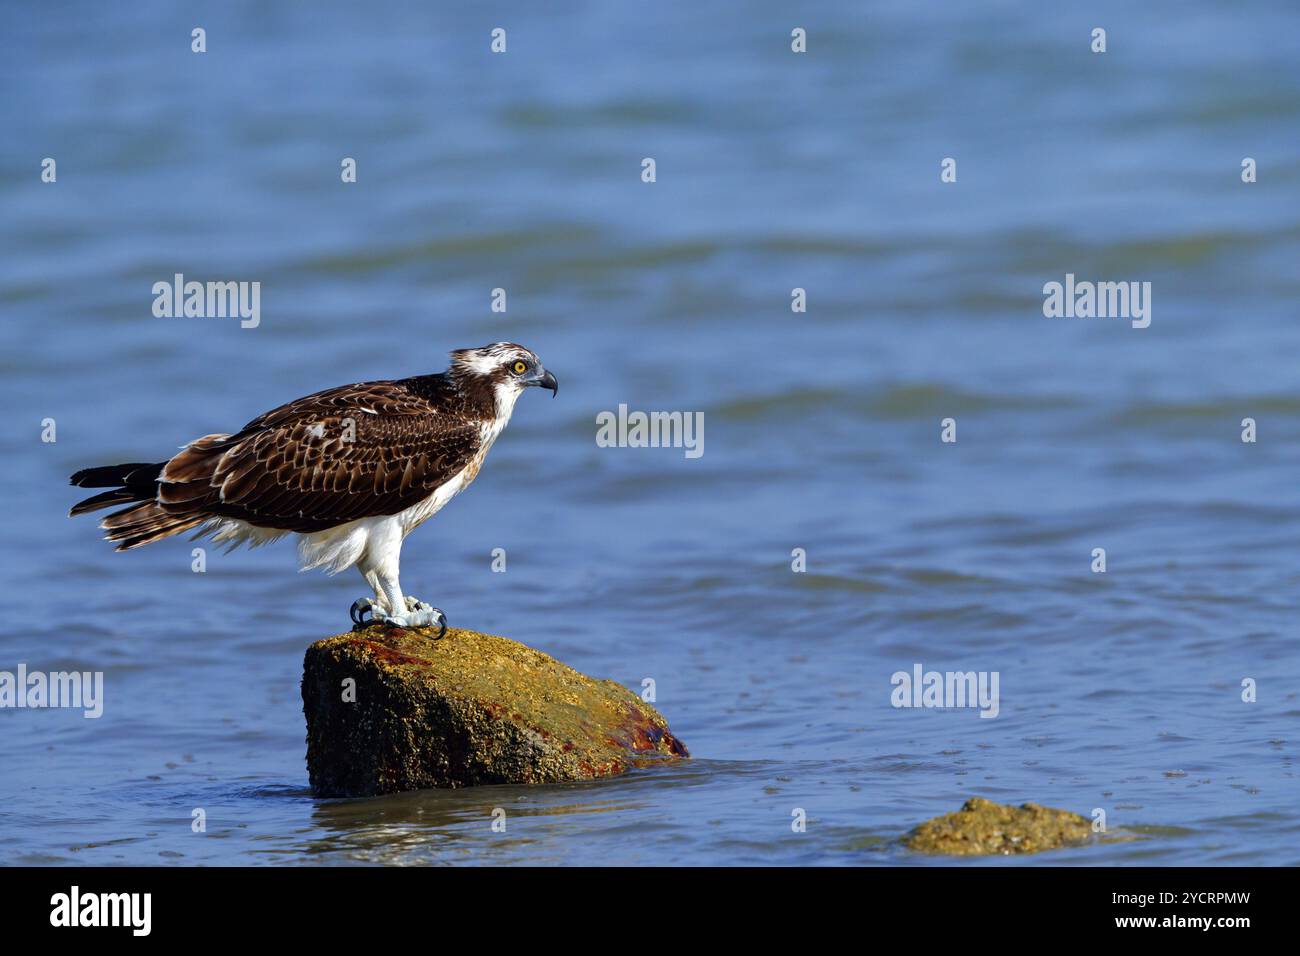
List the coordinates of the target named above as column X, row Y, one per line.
column 463, row 710
column 984, row 828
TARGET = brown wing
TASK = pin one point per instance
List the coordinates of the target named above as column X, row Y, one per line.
column 352, row 452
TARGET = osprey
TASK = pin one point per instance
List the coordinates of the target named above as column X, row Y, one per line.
column 351, row 470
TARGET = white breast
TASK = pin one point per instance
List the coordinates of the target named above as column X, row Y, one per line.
column 417, row 514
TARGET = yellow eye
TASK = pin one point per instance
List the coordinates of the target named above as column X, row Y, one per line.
column 520, row 368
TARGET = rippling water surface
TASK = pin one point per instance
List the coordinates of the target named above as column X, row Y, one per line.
column 1118, row 691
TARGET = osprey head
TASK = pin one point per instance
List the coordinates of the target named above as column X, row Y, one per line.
column 505, row 367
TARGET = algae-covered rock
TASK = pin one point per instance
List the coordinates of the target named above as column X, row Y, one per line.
column 982, row 828
column 463, row 710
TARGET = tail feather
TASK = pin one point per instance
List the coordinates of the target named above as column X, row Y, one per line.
column 134, row 481
column 114, row 476
column 137, row 484
column 104, row 500
column 145, row 523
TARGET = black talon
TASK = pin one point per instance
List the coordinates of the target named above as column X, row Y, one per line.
column 443, row 625
column 358, row 614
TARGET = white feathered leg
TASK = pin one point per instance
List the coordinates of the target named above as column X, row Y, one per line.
column 379, row 564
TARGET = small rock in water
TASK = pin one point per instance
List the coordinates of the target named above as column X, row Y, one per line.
column 984, row 828
column 463, row 710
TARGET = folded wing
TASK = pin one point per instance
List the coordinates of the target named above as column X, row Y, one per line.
column 376, row 448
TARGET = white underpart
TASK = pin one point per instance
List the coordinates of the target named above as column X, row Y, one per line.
column 373, row 544
column 233, row 532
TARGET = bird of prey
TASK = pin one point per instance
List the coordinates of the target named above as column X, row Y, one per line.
column 350, row 470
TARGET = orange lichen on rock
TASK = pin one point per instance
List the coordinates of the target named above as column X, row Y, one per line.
column 391, row 709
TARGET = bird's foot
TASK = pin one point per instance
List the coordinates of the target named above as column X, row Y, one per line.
column 417, row 614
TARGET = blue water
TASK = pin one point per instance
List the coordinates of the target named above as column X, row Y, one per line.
column 1119, row 691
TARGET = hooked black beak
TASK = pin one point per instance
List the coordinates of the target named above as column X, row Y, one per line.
column 548, row 381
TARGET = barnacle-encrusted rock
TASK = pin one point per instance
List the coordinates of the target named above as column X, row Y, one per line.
column 982, row 827
column 463, row 710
